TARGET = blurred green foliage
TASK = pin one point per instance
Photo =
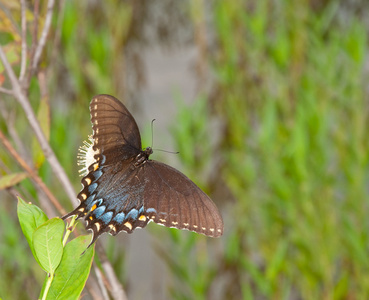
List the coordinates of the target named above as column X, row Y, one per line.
column 290, row 93
column 278, row 138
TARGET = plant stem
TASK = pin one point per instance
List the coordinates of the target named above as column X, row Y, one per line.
column 48, row 285
column 70, row 228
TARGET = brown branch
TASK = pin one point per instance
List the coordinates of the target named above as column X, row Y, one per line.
column 45, row 31
column 35, row 178
column 48, row 152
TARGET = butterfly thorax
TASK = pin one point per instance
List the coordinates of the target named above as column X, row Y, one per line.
column 143, row 156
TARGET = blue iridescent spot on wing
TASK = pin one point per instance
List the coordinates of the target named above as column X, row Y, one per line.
column 92, row 188
column 133, row 213
column 106, row 217
column 119, row 217
column 97, row 174
column 141, row 210
column 90, row 201
column 149, row 210
column 99, row 211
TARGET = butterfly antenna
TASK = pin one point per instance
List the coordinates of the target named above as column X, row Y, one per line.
column 152, row 133
column 166, row 151
column 152, row 140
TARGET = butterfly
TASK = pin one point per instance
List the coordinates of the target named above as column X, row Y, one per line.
column 123, row 189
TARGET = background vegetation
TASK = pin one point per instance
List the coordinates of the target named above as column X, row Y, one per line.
column 277, row 135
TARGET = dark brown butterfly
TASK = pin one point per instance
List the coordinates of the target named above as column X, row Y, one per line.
column 124, row 189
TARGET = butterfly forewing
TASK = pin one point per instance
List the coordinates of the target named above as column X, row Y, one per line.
column 115, row 131
column 125, row 190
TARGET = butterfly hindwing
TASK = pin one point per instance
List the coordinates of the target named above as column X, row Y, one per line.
column 155, row 191
column 179, row 202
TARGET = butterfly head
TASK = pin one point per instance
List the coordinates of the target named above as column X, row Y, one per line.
column 147, row 151
column 143, row 156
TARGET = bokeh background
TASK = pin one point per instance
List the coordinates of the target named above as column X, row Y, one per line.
column 267, row 103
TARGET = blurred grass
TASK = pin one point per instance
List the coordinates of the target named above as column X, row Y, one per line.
column 278, row 137
column 290, row 88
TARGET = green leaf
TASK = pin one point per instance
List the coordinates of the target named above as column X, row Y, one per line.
column 30, row 217
column 11, row 179
column 47, row 243
column 72, row 273
column 43, row 116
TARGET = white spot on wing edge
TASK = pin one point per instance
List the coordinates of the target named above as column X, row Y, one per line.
column 86, row 155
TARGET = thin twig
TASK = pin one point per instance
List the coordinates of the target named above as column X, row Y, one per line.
column 24, row 42
column 36, row 13
column 6, row 91
column 48, row 152
column 94, row 289
column 45, row 31
column 116, row 288
column 35, row 178
column 101, row 282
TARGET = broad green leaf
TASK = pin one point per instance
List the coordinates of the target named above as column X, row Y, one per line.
column 11, row 179
column 47, row 243
column 72, row 273
column 30, row 217
column 43, row 117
